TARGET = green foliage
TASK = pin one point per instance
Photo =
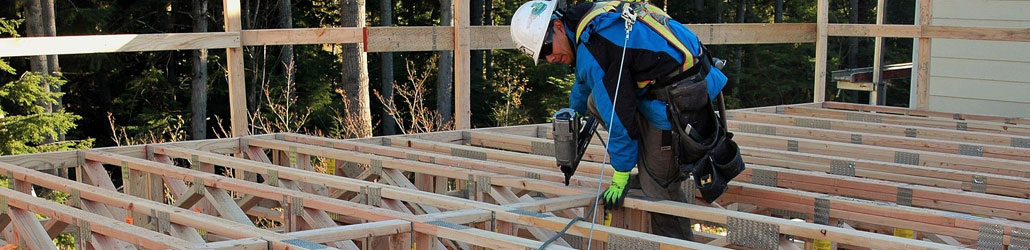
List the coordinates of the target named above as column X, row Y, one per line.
column 8, row 27
column 25, row 126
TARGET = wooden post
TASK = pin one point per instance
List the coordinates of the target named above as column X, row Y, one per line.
column 462, row 44
column 235, row 71
column 923, row 62
column 820, row 51
column 879, row 94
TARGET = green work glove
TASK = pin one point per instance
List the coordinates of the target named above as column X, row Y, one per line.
column 616, row 191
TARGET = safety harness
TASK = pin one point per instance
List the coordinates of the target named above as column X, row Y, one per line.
column 650, row 15
column 703, row 146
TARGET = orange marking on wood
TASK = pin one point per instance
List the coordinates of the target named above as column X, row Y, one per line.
column 8, row 247
column 128, row 219
column 196, row 209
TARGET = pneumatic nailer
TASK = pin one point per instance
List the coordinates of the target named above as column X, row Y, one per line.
column 572, row 135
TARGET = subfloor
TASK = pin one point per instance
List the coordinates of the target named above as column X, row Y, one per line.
column 820, row 176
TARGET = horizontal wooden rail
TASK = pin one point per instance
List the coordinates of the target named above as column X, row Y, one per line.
column 925, row 113
column 959, row 126
column 377, row 39
column 930, row 31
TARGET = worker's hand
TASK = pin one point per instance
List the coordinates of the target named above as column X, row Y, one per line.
column 616, row 191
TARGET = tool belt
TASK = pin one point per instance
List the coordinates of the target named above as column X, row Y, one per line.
column 704, row 147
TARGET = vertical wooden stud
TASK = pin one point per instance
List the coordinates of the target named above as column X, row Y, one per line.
column 820, row 51
column 235, row 71
column 462, row 60
column 879, row 94
column 923, row 65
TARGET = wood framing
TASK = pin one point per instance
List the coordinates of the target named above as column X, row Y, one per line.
column 822, row 33
column 235, row 71
column 462, row 64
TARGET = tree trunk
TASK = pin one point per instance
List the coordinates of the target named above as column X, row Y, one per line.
column 488, row 21
column 476, row 16
column 699, row 5
column 198, row 101
column 286, row 57
column 445, row 76
column 389, row 124
column 779, row 11
column 53, row 67
column 355, row 70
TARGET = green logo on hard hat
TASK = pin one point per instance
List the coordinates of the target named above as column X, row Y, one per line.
column 538, row 8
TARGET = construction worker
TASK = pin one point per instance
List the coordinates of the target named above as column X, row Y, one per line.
column 636, row 77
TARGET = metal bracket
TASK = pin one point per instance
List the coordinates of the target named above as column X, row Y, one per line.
column 532, row 175
column 575, row 241
column 962, row 126
column 161, row 221
column 757, row 129
column 293, row 156
column 811, row 123
column 542, row 148
column 845, row 168
column 863, row 117
column 375, row 166
column 979, row 183
column 906, row 158
column 791, row 214
column 75, row 198
column 387, row 142
column 280, row 137
column 904, row 196
column 411, row 157
column 81, row 156
column 616, row 241
column 125, row 173
column 198, row 185
column 468, row 154
column 483, row 183
column 3, row 205
column 781, row 110
column 911, row 132
column 296, row 206
column 991, row 237
column 304, row 244
column 1020, row 142
column 373, row 196
column 149, row 151
column 971, row 150
column 84, row 233
column 752, row 234
column 1020, row 239
column 856, row 139
column 764, row 177
column 957, row 116
column 792, row 145
column 272, row 178
column 195, row 162
column 822, row 211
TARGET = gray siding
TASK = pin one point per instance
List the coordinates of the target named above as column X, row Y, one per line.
column 986, row 77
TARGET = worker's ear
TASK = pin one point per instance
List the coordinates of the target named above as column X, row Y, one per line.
column 558, row 26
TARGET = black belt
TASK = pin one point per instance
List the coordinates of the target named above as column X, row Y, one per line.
column 696, row 73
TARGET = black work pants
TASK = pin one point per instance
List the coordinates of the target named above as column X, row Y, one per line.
column 657, row 165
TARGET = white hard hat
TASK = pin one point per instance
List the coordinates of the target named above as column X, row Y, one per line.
column 529, row 26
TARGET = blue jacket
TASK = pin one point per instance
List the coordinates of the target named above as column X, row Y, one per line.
column 649, row 56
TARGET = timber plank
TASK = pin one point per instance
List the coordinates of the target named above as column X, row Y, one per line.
column 979, row 126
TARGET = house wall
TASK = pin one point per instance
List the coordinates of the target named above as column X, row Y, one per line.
column 985, row 77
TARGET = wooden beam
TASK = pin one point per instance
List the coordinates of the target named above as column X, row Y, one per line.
column 235, row 71
column 68, row 45
column 690, row 211
column 822, row 20
column 879, row 95
column 876, row 128
column 925, row 113
column 177, row 215
column 298, row 36
column 34, row 233
column 883, row 141
column 27, row 226
column 478, row 237
column 955, row 125
column 754, row 33
column 462, row 64
column 922, row 81
column 874, row 30
column 339, row 233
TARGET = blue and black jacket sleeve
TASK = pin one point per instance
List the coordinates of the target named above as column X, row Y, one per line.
column 648, row 56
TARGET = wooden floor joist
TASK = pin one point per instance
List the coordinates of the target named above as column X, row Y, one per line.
column 873, row 170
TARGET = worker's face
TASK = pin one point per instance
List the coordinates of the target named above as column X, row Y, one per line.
column 561, row 51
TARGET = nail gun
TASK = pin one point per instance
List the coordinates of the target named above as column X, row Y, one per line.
column 572, row 135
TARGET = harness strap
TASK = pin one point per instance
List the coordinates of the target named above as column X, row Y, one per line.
column 652, row 16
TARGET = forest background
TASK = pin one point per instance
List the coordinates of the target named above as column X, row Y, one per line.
column 52, row 103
